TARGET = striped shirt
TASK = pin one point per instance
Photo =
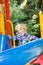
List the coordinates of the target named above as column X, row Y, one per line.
column 24, row 39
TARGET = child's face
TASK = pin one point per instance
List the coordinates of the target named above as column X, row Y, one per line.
column 21, row 32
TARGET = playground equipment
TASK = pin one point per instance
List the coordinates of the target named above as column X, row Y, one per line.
column 41, row 22
column 40, row 59
column 21, row 55
column 6, row 26
column 4, row 42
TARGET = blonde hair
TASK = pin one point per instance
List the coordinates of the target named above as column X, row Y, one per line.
column 20, row 26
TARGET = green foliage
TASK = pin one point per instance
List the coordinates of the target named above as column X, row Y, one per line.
column 16, row 13
column 19, row 1
column 31, row 8
column 33, row 27
column 25, row 15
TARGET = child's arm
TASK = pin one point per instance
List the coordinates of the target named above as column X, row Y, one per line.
column 33, row 37
column 30, row 37
column 10, row 37
column 13, row 38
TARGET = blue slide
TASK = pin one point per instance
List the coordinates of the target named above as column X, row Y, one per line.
column 21, row 54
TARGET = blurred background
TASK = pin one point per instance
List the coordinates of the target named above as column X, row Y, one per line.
column 26, row 11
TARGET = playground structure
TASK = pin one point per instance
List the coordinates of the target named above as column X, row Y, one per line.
column 6, row 26
column 28, row 53
column 41, row 23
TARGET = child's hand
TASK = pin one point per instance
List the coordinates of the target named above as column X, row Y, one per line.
column 9, row 36
column 29, row 38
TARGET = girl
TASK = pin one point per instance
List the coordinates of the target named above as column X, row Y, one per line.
column 22, row 35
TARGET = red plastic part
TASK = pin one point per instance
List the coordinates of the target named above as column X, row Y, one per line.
column 34, row 61
column 41, row 59
column 0, row 1
column 38, row 60
column 8, row 25
column 8, row 28
column 7, row 9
